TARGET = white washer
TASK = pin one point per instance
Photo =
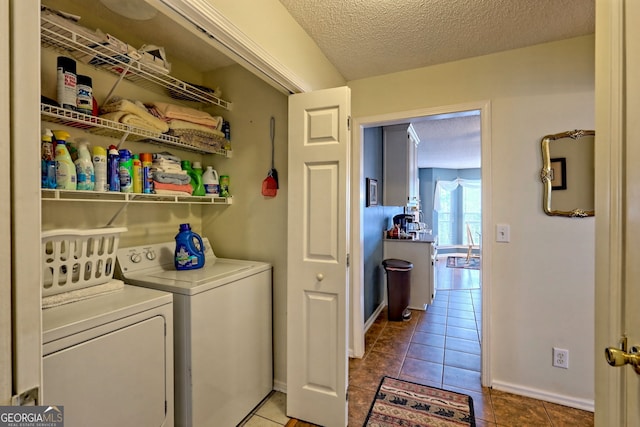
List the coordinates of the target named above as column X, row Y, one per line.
column 108, row 359
column 222, row 331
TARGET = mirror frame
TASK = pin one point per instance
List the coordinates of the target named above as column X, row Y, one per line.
column 545, row 174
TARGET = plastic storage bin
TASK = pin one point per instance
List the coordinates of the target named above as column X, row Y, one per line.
column 76, row 259
column 398, row 288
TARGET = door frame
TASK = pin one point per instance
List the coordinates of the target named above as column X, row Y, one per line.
column 610, row 156
column 356, row 340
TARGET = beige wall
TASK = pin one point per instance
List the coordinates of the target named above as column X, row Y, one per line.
column 254, row 226
column 542, row 282
column 269, row 24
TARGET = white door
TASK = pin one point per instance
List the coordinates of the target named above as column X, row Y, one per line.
column 20, row 192
column 617, row 208
column 317, row 278
column 5, row 217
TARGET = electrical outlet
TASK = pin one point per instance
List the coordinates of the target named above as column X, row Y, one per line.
column 560, row 358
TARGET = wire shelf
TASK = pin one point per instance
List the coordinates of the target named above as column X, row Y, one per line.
column 113, row 196
column 109, row 128
column 95, row 50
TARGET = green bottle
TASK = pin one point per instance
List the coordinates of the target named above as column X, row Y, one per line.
column 196, row 179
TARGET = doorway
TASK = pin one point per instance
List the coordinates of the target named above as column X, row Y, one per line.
column 358, row 187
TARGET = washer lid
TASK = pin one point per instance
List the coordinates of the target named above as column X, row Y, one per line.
column 216, row 272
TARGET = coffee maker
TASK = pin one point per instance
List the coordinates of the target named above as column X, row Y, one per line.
column 402, row 220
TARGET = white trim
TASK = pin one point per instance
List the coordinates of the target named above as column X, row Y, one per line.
column 560, row 399
column 357, row 188
column 280, row 386
column 609, row 191
column 210, row 25
column 374, row 316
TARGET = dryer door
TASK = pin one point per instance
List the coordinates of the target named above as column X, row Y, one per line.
column 115, row 379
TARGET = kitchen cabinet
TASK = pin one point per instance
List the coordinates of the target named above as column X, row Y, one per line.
column 400, row 165
column 421, row 253
column 68, row 38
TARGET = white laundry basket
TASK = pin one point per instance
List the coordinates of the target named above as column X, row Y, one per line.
column 76, row 259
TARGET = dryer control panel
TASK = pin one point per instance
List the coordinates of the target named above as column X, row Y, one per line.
column 138, row 258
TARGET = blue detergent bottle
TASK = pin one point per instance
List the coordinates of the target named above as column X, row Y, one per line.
column 189, row 254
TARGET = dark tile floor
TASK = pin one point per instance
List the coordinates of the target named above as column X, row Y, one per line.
column 441, row 347
column 438, row 347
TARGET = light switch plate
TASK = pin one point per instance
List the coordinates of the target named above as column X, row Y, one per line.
column 503, row 233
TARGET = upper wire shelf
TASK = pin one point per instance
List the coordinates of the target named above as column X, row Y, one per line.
column 99, row 53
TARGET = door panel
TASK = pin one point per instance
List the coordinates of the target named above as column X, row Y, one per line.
column 5, row 218
column 317, row 277
column 25, row 195
column 617, row 207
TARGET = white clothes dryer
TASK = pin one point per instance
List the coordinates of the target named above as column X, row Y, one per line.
column 222, row 330
column 108, row 359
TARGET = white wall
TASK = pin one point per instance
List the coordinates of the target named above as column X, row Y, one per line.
column 542, row 282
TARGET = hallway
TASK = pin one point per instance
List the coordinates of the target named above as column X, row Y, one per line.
column 441, row 347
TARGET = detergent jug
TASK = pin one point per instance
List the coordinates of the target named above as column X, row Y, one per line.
column 189, row 254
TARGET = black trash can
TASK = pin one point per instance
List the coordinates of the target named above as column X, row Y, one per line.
column 398, row 288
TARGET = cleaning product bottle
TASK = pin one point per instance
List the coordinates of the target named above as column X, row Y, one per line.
column 113, row 168
column 126, row 171
column 65, row 169
column 186, row 166
column 137, row 174
column 48, row 162
column 198, row 188
column 189, row 253
column 210, row 181
column 147, row 175
column 84, row 167
column 100, row 168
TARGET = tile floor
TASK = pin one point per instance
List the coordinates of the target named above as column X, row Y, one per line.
column 438, row 347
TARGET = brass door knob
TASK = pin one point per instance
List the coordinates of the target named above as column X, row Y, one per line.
column 618, row 357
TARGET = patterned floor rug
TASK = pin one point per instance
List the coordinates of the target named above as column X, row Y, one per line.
column 403, row 403
column 461, row 262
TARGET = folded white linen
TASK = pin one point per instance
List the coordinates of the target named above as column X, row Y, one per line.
column 117, row 104
column 172, row 111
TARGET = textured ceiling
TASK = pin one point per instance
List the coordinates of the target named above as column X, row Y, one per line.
column 364, row 38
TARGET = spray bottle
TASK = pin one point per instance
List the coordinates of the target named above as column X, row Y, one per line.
column 84, row 167
column 65, row 169
column 48, row 162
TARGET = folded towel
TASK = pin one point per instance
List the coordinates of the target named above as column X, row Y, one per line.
column 176, row 124
column 165, row 155
column 171, row 178
column 207, row 140
column 133, row 120
column 172, row 192
column 162, row 186
column 172, row 111
column 117, row 104
column 82, row 294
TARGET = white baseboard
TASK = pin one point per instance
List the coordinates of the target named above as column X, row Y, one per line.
column 280, row 386
column 560, row 399
column 371, row 320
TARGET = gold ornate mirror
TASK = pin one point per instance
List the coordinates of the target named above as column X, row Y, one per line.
column 568, row 173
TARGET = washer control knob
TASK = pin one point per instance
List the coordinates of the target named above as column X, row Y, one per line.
column 151, row 255
column 136, row 258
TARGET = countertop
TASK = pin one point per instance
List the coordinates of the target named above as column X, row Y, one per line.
column 428, row 239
